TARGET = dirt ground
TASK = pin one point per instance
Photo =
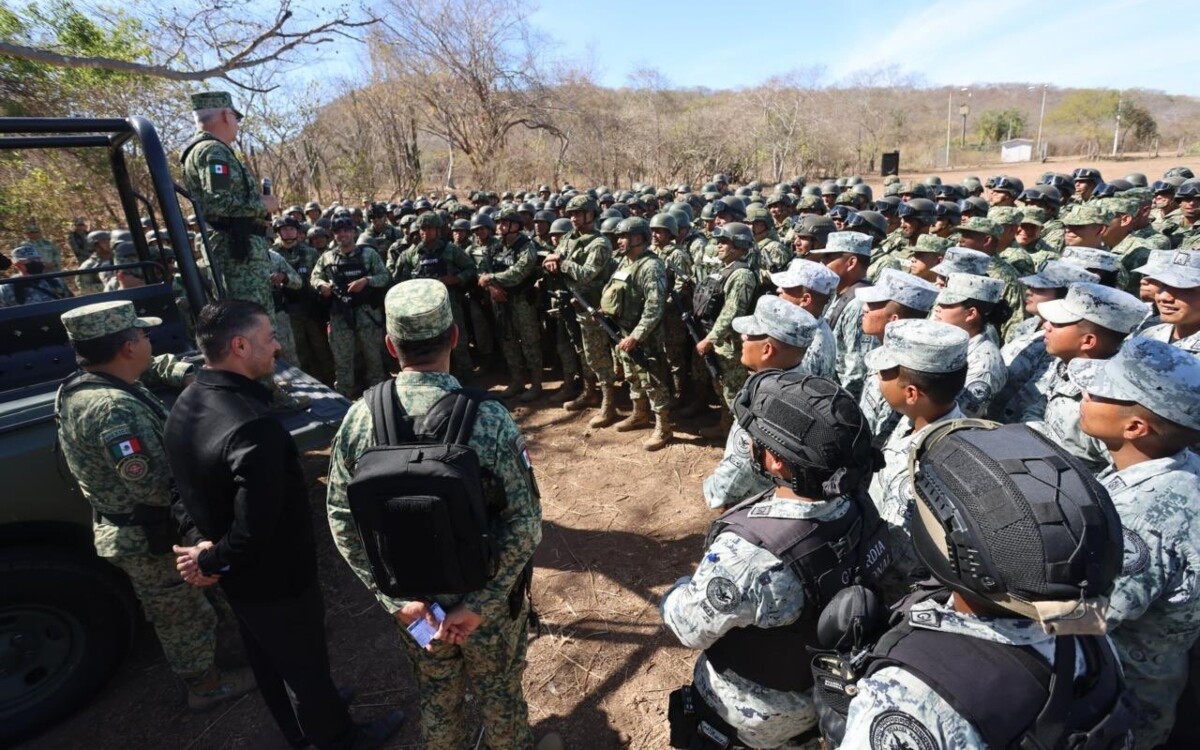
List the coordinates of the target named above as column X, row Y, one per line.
column 619, row 526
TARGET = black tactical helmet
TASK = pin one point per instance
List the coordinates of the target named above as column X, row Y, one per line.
column 867, row 222
column 635, row 225
column 560, row 226
column 427, row 220
column 342, row 221
column 1006, row 515
column 377, row 211
column 483, row 220
column 730, row 204
column 1163, row 186
column 1137, row 179
column 813, row 426
column 1188, row 189
column 318, row 231
column 544, row 216
column 1087, row 174
column 920, row 209
column 1183, row 172
column 460, row 225
column 1002, row 183
column 422, row 204
column 888, row 204
column 665, row 220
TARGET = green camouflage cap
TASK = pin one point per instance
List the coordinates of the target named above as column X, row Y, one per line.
column 102, row 319
column 847, row 198
column 1162, row 378
column 214, row 100
column 1107, row 307
column 1129, row 203
column 1005, row 216
column 921, row 345
column 1033, row 215
column 1083, row 214
column 980, row 224
column 779, row 319
column 931, row 243
column 961, row 287
column 418, row 310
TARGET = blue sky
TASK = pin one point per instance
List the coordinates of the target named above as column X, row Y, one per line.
column 1101, row 43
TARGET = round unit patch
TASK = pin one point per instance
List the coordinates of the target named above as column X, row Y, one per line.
column 133, row 468
column 894, row 730
column 723, row 595
column 1137, row 554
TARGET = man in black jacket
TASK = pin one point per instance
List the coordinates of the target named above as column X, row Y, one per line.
column 243, row 505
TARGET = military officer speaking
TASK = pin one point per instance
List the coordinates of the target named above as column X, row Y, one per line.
column 110, row 429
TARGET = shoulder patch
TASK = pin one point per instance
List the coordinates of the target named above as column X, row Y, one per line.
column 218, row 175
column 896, row 730
column 1137, row 554
column 123, row 446
column 722, row 595
column 133, row 468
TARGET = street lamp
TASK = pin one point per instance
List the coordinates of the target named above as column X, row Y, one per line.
column 1041, row 117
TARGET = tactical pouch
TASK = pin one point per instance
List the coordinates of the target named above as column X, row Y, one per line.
column 239, row 238
column 161, row 537
column 682, row 717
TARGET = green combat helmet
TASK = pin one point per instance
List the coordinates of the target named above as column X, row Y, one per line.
column 664, row 220
column 737, row 233
column 582, row 202
column 635, row 225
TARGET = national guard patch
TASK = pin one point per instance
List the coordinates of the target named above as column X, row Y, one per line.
column 723, row 595
column 133, row 469
column 219, row 176
column 1137, row 554
column 895, row 730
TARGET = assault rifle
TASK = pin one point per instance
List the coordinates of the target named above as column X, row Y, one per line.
column 609, row 327
column 711, row 363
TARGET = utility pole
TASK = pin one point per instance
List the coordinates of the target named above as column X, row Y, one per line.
column 949, row 123
column 1117, row 129
column 1041, row 117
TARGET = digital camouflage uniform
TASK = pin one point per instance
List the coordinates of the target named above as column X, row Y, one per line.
column 50, row 252
column 420, row 261
column 1019, row 258
column 740, row 585
column 739, row 291
column 821, row 357
column 382, row 240
column 493, row 656
column 112, row 443
column 772, row 256
column 91, row 283
column 1061, row 420
column 518, row 322
column 585, row 264
column 1027, row 362
column 676, row 342
column 852, row 345
column 354, row 328
column 226, row 190
column 986, row 375
column 32, row 291
column 1165, row 333
column 1013, row 294
column 283, row 321
column 478, row 306
column 1040, row 252
column 635, row 297
column 1054, row 234
column 894, row 708
column 307, row 319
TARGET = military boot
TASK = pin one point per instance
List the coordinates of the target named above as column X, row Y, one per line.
column 535, row 388
column 568, row 391
column 586, row 400
column 608, row 409
column 214, row 686
column 662, row 432
column 516, row 385
column 639, row 419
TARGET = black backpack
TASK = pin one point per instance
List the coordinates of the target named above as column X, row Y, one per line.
column 418, row 497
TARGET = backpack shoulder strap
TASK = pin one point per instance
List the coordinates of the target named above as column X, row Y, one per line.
column 391, row 424
column 452, row 419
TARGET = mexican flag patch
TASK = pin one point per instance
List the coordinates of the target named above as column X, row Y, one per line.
column 124, row 448
column 220, row 169
column 219, row 176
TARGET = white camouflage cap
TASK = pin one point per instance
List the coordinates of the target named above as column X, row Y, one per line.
column 961, row 287
column 898, row 286
column 1106, row 307
column 1156, row 260
column 418, row 310
column 922, row 345
column 963, row 260
column 1091, row 257
column 808, row 274
column 1056, row 274
column 779, row 319
column 846, row 242
column 1163, row 378
column 1182, row 271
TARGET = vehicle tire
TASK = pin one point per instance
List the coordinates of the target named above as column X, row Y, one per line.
column 66, row 622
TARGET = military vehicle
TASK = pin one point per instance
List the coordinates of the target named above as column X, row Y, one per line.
column 67, row 618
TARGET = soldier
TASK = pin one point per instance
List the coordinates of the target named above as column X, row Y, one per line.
column 508, row 275
column 1103, row 263
column 752, row 603
column 99, row 245
column 664, row 228
column 1177, row 298
column 771, row 255
column 983, row 234
column 723, row 295
column 848, row 254
column 479, row 306
column 1000, row 623
column 1003, row 191
column 312, row 212
column 1142, row 405
column 1086, row 180
column 1091, row 322
column 308, row 316
column 50, row 253
column 582, row 261
column 110, row 430
column 353, row 279
column 435, row 258
column 634, row 299
column 77, row 239
column 1085, row 225
column 380, row 235
column 972, row 303
column 284, row 279
column 1009, row 219
column 810, row 285
column 776, row 337
column 1130, row 235
column 926, row 255
column 1029, row 237
column 483, row 636
column 21, row 291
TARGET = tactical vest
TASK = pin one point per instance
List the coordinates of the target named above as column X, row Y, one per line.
column 430, row 266
column 843, row 299
column 347, row 269
column 506, row 257
column 826, row 556
column 709, row 296
column 296, row 297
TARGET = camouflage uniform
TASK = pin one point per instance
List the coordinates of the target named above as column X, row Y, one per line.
column 1027, row 363
column 756, row 590
column 986, row 375
column 675, row 338
column 1019, row 258
column 479, row 307
column 517, row 320
column 1040, row 252
column 585, row 264
column 1014, row 293
column 852, row 345
column 283, row 321
column 821, row 357
column 1165, row 333
column 307, row 318
column 32, row 291
column 382, row 240
column 227, row 191
column 354, row 328
column 771, row 253
column 493, row 656
column 50, row 252
column 112, row 442
column 1054, row 234
column 1060, row 422
column 739, row 290
column 1165, row 223
column 419, row 261
column 635, row 297
column 894, row 708
column 91, row 283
